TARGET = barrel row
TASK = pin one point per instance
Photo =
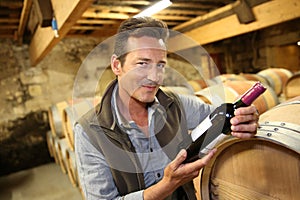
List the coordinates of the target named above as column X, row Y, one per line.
column 63, row 116
column 229, row 91
column 60, row 140
column 281, row 80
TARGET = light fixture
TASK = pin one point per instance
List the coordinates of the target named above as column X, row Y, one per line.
column 155, row 8
column 298, row 43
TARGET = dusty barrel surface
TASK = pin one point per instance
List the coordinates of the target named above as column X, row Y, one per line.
column 255, row 77
column 71, row 167
column 72, row 113
column 229, row 77
column 50, row 143
column 55, row 113
column 264, row 167
column 179, row 89
column 198, row 84
column 292, row 86
column 229, row 91
column 277, row 78
column 60, row 148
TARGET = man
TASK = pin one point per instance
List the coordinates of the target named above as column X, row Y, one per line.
column 132, row 145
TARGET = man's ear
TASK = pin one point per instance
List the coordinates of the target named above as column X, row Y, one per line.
column 115, row 64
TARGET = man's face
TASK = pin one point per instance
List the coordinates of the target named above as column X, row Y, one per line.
column 142, row 72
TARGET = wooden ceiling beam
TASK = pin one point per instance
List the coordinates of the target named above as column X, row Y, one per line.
column 200, row 6
column 93, row 14
column 211, row 16
column 7, row 35
column 66, row 13
column 11, row 4
column 24, row 19
column 124, row 9
column 9, row 26
column 167, row 17
column 92, row 28
column 97, row 21
column 266, row 14
column 122, row 2
column 182, row 12
column 98, row 34
column 239, row 7
column 6, row 20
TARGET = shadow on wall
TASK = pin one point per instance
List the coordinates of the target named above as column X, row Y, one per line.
column 23, row 143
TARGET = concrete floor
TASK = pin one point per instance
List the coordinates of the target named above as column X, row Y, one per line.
column 46, row 182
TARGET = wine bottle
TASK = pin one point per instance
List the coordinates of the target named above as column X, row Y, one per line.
column 217, row 125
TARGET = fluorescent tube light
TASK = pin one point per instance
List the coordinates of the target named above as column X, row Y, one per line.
column 155, row 8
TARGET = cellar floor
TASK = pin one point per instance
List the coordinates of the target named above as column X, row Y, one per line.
column 45, row 182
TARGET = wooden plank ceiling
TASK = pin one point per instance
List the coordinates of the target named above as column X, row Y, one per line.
column 29, row 21
column 102, row 17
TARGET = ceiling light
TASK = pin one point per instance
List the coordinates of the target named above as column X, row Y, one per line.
column 298, row 43
column 155, row 8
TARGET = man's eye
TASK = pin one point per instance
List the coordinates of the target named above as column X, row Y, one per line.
column 142, row 64
column 161, row 65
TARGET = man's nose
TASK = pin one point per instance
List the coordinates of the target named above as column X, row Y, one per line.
column 155, row 73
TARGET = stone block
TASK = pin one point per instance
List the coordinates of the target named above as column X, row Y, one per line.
column 33, row 76
column 38, row 103
column 35, row 90
column 19, row 110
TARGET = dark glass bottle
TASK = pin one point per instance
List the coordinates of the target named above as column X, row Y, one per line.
column 217, row 125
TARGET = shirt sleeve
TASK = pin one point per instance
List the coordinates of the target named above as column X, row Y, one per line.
column 95, row 177
column 195, row 109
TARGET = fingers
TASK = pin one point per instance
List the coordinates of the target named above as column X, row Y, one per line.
column 246, row 110
column 246, row 114
column 176, row 173
column 249, row 127
column 193, row 166
column 245, row 122
column 200, row 163
column 203, row 161
column 181, row 156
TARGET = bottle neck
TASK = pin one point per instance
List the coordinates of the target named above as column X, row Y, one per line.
column 239, row 103
column 249, row 96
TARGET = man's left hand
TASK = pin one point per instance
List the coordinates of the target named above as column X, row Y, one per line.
column 245, row 122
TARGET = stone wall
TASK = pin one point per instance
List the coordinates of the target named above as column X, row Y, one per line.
column 27, row 93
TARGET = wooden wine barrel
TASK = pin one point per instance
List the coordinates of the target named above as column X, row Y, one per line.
column 292, row 86
column 61, row 146
column 50, row 143
column 198, row 84
column 179, row 90
column 255, row 77
column 55, row 114
column 72, row 113
column 229, row 91
column 228, row 77
column 277, row 78
column 52, row 146
column 71, row 167
column 264, row 167
column 279, row 113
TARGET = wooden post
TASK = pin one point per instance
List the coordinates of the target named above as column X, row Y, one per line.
column 66, row 13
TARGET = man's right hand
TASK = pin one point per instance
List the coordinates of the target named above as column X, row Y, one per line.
column 176, row 174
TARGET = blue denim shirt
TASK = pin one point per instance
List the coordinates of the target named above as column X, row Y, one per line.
column 95, row 178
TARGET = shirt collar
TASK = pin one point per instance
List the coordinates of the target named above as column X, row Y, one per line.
column 118, row 117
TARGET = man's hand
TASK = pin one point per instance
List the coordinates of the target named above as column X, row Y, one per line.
column 176, row 174
column 245, row 122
